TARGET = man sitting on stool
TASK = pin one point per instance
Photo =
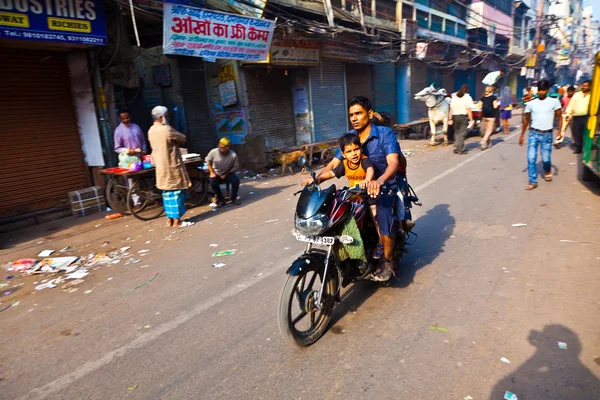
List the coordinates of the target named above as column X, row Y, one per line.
column 222, row 164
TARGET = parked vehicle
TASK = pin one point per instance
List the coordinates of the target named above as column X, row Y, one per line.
column 334, row 224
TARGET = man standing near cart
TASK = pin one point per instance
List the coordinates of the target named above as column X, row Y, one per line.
column 171, row 175
column 129, row 137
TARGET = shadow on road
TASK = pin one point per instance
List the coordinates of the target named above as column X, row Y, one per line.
column 433, row 228
column 552, row 372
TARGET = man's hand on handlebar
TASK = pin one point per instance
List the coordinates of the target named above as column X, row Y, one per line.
column 373, row 188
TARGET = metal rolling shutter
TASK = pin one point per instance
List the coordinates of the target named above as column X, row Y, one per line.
column 359, row 80
column 270, row 106
column 42, row 157
column 328, row 100
column 385, row 89
column 201, row 132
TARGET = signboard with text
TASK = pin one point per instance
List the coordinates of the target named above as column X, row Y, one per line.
column 209, row 34
column 75, row 22
column 295, row 52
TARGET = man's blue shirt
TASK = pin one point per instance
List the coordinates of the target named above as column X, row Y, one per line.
column 380, row 143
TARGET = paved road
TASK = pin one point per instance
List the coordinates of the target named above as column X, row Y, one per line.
column 196, row 332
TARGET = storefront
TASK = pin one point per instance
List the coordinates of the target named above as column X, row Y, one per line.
column 270, row 105
column 197, row 123
column 328, row 100
column 50, row 137
column 384, row 97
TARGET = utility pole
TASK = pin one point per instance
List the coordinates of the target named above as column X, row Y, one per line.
column 538, row 33
column 538, row 24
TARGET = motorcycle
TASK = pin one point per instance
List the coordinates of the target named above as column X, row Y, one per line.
column 340, row 239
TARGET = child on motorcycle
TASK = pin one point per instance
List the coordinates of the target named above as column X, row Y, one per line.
column 356, row 166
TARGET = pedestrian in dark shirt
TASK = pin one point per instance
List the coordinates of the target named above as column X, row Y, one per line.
column 489, row 110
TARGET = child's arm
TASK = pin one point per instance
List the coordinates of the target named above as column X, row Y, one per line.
column 370, row 169
column 320, row 179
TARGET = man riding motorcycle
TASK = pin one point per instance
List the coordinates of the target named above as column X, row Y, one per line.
column 381, row 146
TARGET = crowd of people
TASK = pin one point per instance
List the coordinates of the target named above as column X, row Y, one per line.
column 545, row 107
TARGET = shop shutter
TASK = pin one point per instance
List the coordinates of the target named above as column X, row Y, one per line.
column 359, row 81
column 384, row 99
column 42, row 158
column 201, row 132
column 270, row 106
column 328, row 100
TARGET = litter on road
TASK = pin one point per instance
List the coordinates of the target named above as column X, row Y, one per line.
column 52, row 264
column 518, row 225
column 143, row 284
column 45, row 253
column 218, row 265
column 47, row 285
column 578, row 241
column 505, row 360
column 271, row 220
column 24, row 264
column 132, row 387
column 562, row 345
column 224, row 253
column 510, row 396
column 437, row 328
column 78, row 274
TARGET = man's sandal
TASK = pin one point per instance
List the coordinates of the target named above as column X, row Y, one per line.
column 548, row 177
column 531, row 186
column 378, row 252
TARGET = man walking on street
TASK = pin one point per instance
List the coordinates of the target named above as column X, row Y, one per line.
column 222, row 164
column 578, row 109
column 541, row 113
column 565, row 117
column 171, row 174
column 129, row 137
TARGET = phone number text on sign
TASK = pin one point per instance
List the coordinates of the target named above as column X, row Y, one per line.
column 210, row 34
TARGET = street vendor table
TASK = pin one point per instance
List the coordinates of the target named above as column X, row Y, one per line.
column 135, row 193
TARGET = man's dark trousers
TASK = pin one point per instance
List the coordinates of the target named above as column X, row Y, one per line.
column 577, row 131
column 232, row 179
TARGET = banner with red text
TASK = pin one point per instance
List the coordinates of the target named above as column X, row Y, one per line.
column 210, row 34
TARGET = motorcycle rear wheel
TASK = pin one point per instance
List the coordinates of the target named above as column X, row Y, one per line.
column 299, row 294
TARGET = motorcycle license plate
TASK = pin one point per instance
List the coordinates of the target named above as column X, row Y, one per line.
column 324, row 240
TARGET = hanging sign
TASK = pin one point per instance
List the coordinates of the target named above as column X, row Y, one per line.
column 78, row 22
column 209, row 34
column 295, row 52
column 339, row 51
column 421, row 51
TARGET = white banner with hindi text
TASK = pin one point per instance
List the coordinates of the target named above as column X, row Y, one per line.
column 210, row 34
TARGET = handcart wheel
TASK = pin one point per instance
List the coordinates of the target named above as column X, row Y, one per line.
column 144, row 200
column 116, row 194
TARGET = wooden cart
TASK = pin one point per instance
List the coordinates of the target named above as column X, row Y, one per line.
column 135, row 192
column 420, row 126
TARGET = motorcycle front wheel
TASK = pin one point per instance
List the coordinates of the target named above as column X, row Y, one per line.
column 301, row 322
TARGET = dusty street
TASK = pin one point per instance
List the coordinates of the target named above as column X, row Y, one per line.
column 198, row 332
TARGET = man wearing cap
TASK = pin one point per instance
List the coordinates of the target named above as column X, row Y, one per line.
column 222, row 163
column 171, row 174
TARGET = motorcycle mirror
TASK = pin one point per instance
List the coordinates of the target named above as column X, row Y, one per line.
column 302, row 162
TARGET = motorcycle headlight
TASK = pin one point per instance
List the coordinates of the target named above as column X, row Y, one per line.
column 313, row 225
